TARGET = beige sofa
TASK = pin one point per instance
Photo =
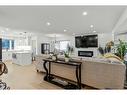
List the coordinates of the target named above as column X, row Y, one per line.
column 39, row 62
column 96, row 72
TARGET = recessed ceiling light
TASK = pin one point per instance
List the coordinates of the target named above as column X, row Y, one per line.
column 94, row 31
column 65, row 30
column 85, row 13
column 91, row 26
column 7, row 29
column 48, row 23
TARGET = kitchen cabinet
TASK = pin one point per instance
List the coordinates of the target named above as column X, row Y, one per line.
column 6, row 55
column 22, row 58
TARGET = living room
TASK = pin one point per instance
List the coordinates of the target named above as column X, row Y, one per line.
column 90, row 38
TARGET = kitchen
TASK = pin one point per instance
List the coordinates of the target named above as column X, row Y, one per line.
column 18, row 47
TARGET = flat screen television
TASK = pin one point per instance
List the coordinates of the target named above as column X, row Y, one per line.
column 86, row 41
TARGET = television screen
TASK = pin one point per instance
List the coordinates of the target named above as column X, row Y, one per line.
column 86, row 41
column 92, row 41
column 78, row 42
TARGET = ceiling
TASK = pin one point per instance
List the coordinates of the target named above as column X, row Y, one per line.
column 69, row 18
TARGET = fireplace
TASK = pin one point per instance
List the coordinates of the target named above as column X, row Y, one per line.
column 85, row 53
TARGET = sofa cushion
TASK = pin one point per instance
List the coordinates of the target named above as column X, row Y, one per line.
column 111, row 55
column 115, row 61
column 95, row 59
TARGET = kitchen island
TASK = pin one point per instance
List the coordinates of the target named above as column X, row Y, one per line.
column 22, row 58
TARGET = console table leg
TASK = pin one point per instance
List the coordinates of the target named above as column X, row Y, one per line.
column 78, row 76
column 49, row 73
column 44, row 65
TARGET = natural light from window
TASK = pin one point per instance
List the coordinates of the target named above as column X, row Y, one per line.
column 61, row 45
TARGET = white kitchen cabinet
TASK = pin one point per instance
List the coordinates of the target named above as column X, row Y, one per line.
column 6, row 55
column 22, row 58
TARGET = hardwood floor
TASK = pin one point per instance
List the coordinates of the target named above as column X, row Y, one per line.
column 26, row 77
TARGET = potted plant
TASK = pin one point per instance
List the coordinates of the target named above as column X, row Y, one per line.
column 121, row 49
column 103, row 51
column 66, row 56
column 54, row 57
column 70, row 49
column 106, row 49
column 68, row 53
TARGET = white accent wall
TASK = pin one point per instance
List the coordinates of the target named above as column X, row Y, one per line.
column 102, row 40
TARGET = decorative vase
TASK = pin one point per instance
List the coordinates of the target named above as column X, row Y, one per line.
column 54, row 58
column 66, row 59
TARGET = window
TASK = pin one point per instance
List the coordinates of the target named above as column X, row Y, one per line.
column 57, row 45
column 7, row 44
column 61, row 45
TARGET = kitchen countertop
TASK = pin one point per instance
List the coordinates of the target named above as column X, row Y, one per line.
column 16, row 51
column 22, row 52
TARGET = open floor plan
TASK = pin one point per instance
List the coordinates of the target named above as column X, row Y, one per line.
column 63, row 47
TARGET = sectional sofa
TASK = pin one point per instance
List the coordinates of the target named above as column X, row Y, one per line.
column 99, row 73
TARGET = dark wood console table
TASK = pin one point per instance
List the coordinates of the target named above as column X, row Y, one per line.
column 67, row 85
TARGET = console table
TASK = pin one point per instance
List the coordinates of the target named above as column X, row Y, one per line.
column 64, row 84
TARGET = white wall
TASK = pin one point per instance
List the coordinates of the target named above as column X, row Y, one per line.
column 102, row 40
column 122, row 37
